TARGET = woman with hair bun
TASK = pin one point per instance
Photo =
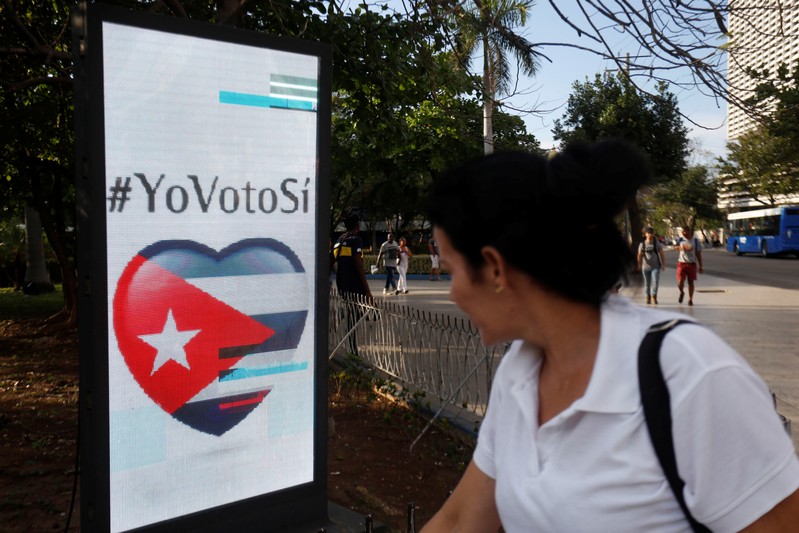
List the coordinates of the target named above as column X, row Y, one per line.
column 564, row 445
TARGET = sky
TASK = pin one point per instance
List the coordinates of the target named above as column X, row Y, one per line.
column 550, row 88
column 552, row 85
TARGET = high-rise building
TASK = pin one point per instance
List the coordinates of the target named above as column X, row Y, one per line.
column 763, row 35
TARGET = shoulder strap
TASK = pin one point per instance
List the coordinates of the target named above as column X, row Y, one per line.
column 657, row 411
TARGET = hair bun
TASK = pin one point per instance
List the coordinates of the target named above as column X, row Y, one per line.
column 597, row 180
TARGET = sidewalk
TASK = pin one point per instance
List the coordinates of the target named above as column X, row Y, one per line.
column 762, row 323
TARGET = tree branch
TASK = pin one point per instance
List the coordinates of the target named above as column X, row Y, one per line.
column 33, row 82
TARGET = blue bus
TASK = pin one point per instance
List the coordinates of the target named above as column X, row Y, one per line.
column 766, row 232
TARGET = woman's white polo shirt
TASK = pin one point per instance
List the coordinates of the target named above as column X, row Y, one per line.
column 593, row 468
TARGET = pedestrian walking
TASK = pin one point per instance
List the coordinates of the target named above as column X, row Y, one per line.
column 402, row 268
column 689, row 261
column 389, row 251
column 351, row 275
column 651, row 262
column 435, row 267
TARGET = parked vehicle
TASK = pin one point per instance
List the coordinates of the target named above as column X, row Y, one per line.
column 770, row 231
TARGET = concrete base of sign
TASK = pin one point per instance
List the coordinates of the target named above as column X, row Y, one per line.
column 340, row 520
column 343, row 520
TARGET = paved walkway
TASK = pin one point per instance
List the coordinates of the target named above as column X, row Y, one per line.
column 762, row 323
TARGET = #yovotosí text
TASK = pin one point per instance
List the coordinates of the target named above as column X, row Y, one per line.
column 288, row 196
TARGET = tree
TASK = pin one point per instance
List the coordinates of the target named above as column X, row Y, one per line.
column 684, row 201
column 757, row 167
column 389, row 75
column 776, row 105
column 491, row 24
column 763, row 163
column 37, row 163
column 12, row 254
column 395, row 96
column 37, row 278
column 668, row 36
column 685, row 44
column 402, row 111
column 610, row 106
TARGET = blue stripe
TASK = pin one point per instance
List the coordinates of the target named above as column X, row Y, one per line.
column 259, row 100
column 189, row 259
column 288, row 328
column 208, row 417
column 245, row 373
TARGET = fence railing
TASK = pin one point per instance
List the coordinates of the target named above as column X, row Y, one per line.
column 434, row 353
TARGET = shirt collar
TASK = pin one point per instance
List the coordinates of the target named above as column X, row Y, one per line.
column 613, row 387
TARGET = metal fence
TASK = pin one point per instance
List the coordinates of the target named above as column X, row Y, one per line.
column 434, row 353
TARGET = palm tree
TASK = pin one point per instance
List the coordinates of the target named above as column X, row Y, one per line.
column 490, row 24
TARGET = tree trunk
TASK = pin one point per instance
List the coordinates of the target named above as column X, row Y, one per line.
column 488, row 129
column 488, row 102
column 37, row 278
column 53, row 221
column 636, row 230
column 69, row 279
column 56, row 234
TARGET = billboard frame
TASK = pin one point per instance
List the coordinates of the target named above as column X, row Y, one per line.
column 303, row 506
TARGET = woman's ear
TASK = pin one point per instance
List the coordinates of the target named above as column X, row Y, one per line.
column 495, row 267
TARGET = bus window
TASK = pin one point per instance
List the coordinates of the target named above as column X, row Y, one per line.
column 771, row 225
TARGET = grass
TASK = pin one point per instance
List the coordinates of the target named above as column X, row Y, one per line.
column 16, row 304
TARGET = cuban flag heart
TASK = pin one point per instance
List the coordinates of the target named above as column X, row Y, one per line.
column 201, row 331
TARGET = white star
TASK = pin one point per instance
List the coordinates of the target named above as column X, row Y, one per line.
column 169, row 343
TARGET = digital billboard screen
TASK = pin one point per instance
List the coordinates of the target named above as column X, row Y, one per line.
column 206, row 147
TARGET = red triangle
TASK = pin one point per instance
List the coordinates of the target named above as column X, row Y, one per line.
column 145, row 294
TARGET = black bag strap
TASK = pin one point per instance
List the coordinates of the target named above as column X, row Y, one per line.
column 657, row 410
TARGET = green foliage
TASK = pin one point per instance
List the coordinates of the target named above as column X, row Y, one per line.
column 15, row 304
column 777, row 101
column 36, row 105
column 385, row 71
column 353, row 375
column 764, row 162
column 490, row 25
column 610, row 106
column 402, row 109
column 402, row 113
column 685, row 201
column 12, row 253
column 37, row 162
column 510, row 133
column 761, row 165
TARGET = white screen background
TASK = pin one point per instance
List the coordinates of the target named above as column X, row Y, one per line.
column 163, row 115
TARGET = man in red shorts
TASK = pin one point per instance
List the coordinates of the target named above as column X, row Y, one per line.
column 690, row 256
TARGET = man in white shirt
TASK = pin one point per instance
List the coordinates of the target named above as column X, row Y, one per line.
column 690, row 256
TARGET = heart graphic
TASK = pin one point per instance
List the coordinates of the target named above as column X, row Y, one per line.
column 201, row 330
